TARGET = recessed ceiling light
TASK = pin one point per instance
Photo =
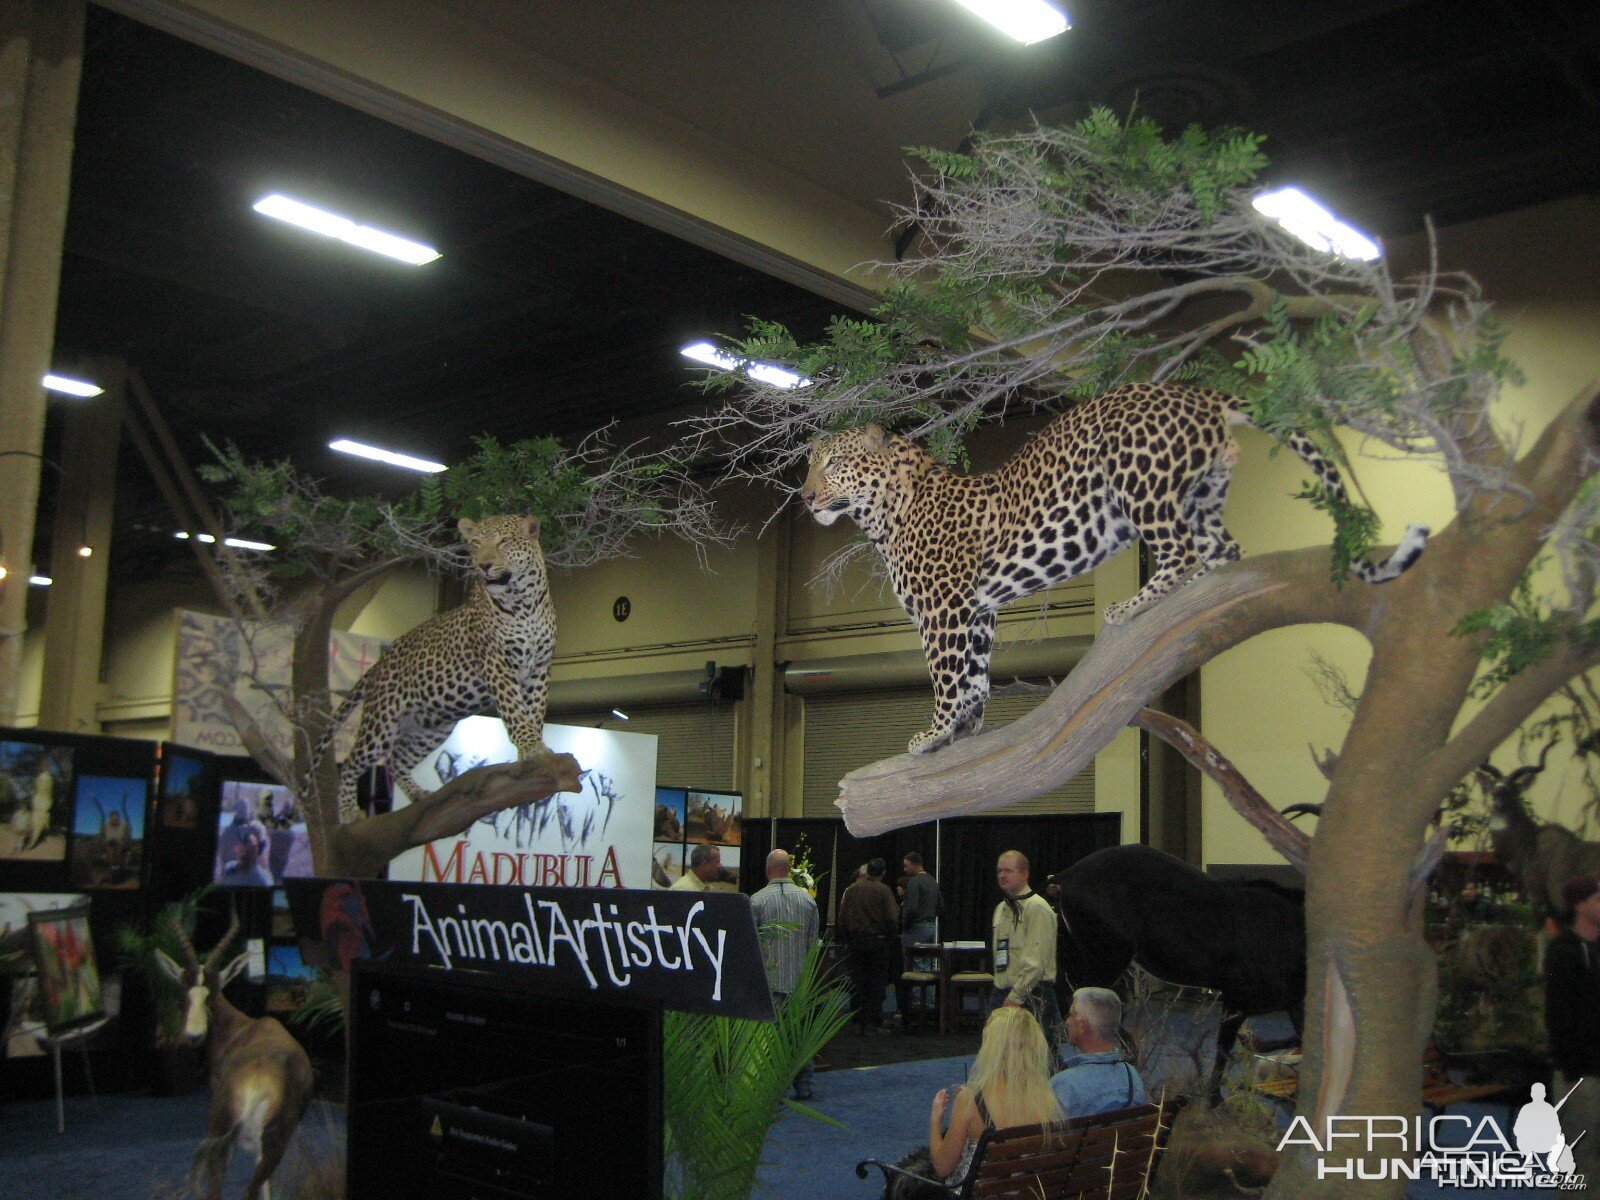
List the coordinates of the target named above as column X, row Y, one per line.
column 332, row 225
column 71, row 387
column 1028, row 21
column 705, row 352
column 619, row 714
column 1315, row 225
column 236, row 543
column 40, row 580
column 346, row 446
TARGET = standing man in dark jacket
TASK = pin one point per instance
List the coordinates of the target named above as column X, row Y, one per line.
column 1572, row 1016
column 919, row 909
column 869, row 923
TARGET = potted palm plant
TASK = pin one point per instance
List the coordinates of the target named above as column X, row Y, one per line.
column 726, row 1080
column 178, row 1066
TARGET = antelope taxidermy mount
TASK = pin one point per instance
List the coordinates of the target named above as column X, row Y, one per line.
column 1542, row 855
column 261, row 1077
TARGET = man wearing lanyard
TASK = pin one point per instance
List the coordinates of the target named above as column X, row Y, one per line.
column 1025, row 946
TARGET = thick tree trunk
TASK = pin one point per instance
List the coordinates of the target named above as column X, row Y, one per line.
column 1372, row 981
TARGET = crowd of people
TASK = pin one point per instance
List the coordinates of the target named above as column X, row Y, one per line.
column 1022, row 1075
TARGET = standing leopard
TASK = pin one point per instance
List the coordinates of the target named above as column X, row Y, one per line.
column 491, row 656
column 1143, row 461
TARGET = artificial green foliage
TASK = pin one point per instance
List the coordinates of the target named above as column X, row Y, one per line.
column 726, row 1081
column 1055, row 263
column 1355, row 527
column 1521, row 631
column 323, row 1008
column 591, row 501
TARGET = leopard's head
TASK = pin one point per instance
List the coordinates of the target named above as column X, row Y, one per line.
column 851, row 471
column 505, row 551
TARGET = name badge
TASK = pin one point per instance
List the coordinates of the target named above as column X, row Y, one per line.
column 1002, row 954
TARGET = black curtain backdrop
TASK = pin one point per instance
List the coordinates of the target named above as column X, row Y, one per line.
column 964, row 863
column 970, row 846
column 755, row 840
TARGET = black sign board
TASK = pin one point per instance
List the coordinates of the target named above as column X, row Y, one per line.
column 690, row 951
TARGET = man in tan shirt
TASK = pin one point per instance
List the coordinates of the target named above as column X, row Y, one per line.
column 1025, row 946
column 869, row 924
column 705, row 864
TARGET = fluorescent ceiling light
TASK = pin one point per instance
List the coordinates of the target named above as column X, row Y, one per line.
column 1315, row 225
column 71, row 387
column 40, row 580
column 705, row 352
column 1028, row 21
column 236, row 543
column 619, row 714
column 332, row 225
column 346, row 446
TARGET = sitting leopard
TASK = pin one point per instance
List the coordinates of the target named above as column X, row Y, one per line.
column 490, row 656
column 1147, row 461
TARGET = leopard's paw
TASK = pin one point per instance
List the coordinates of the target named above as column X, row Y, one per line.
column 929, row 740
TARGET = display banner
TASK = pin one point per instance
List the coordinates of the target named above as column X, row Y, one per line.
column 689, row 951
column 597, row 837
column 217, row 657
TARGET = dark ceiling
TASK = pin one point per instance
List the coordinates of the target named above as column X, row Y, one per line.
column 549, row 315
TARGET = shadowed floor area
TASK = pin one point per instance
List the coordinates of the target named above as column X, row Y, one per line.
column 138, row 1147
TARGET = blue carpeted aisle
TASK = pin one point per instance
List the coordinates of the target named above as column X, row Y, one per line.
column 130, row 1148
column 139, row 1147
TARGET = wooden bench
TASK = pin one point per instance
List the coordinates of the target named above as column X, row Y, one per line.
column 1110, row 1156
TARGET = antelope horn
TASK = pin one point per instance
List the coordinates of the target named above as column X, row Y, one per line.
column 184, row 943
column 214, row 959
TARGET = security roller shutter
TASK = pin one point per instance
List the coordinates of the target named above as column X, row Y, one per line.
column 694, row 742
column 850, row 730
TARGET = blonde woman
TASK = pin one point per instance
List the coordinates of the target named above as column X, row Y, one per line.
column 1009, row 1086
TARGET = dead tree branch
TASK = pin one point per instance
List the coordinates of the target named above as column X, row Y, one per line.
column 1292, row 843
column 363, row 848
column 1127, row 666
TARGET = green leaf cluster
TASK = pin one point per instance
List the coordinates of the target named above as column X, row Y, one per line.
column 726, row 1081
column 1355, row 526
column 1520, row 632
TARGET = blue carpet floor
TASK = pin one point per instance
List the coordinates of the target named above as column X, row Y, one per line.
column 133, row 1147
column 139, row 1147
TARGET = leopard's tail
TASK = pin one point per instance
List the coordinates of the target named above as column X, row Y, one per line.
column 1412, row 544
column 332, row 731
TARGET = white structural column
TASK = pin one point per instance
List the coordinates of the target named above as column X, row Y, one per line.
column 41, row 57
column 75, row 619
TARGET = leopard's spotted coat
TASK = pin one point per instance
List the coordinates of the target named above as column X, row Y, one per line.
column 1143, row 461
column 491, row 656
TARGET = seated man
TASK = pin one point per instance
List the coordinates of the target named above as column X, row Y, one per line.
column 1096, row 1078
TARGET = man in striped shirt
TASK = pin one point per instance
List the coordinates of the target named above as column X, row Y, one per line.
column 782, row 902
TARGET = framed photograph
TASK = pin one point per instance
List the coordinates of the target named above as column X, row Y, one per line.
column 666, row 864
column 670, row 804
column 69, row 981
column 108, row 826
column 282, row 918
column 715, row 818
column 728, row 881
column 261, row 836
column 182, row 782
column 23, row 1025
column 289, row 979
column 35, row 790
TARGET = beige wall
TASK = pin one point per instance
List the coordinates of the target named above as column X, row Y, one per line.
column 1261, row 708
